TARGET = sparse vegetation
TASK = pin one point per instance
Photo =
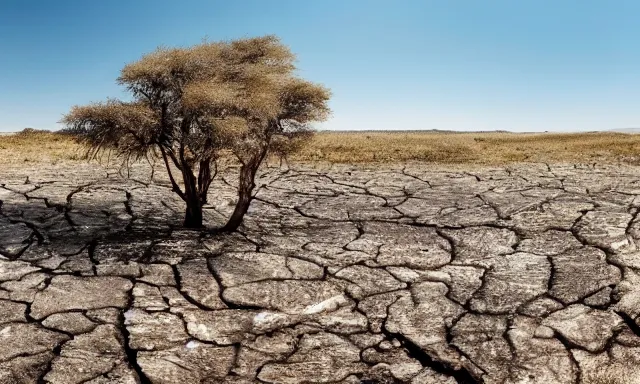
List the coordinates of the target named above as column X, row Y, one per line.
column 38, row 146
column 470, row 148
column 391, row 147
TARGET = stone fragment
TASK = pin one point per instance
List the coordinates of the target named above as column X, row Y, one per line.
column 628, row 258
column 508, row 203
column 625, row 353
column 366, row 340
column 552, row 216
column 25, row 369
column 52, row 262
column 118, row 251
column 21, row 339
column 71, row 292
column 321, row 357
column 254, row 354
column 199, row 284
column 69, row 322
column 580, row 273
column 78, row 265
column 87, row 356
column 104, row 315
column 628, row 338
column 192, row 363
column 289, row 296
column 375, row 308
column 152, row 331
column 628, row 294
column 540, row 307
column 223, row 327
column 368, row 281
column 394, row 361
column 26, row 288
column 423, row 319
column 429, row 376
column 403, row 245
column 588, row 328
column 157, row 274
column 349, row 207
column 12, row 312
column 477, row 246
column 120, row 374
column 405, row 274
column 176, row 300
column 604, row 229
column 600, row 368
column 229, row 242
column 602, row 298
column 523, row 275
column 544, row 332
column 14, row 238
column 344, row 320
column 539, row 358
column 465, row 217
column 14, row 270
column 549, row 243
column 124, row 269
column 481, row 338
column 240, row 268
column 148, row 298
column 420, row 208
column 463, row 281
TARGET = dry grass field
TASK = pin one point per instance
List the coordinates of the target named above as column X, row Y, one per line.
column 390, row 147
column 471, row 148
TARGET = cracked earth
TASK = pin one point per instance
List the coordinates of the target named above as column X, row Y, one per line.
column 522, row 274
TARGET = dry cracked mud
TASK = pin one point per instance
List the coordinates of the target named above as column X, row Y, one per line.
column 521, row 274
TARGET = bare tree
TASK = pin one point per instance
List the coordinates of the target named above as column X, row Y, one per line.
column 192, row 106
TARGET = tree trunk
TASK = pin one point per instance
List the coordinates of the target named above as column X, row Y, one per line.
column 193, row 214
column 245, row 188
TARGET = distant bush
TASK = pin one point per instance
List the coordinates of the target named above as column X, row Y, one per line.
column 33, row 131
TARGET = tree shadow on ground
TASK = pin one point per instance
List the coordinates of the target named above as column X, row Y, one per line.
column 34, row 230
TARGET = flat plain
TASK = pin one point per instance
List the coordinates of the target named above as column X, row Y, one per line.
column 380, row 147
column 365, row 258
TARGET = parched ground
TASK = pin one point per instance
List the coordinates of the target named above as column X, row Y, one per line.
column 518, row 274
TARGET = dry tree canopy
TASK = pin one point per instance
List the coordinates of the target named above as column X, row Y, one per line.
column 222, row 94
column 191, row 104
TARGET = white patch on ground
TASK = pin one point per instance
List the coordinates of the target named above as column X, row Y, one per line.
column 192, row 344
column 268, row 319
column 129, row 315
column 330, row 304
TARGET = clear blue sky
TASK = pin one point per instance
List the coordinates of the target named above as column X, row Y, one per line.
column 450, row 64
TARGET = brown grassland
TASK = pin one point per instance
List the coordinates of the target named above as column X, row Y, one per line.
column 388, row 147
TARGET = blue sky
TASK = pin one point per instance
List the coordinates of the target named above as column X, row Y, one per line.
column 451, row 64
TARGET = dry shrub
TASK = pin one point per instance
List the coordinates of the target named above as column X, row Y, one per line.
column 38, row 146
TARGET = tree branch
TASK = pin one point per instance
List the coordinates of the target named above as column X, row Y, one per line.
column 175, row 186
column 174, row 159
column 204, row 179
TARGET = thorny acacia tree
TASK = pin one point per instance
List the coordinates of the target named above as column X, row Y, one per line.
column 191, row 105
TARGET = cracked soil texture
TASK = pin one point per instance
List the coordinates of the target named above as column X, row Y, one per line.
column 521, row 274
